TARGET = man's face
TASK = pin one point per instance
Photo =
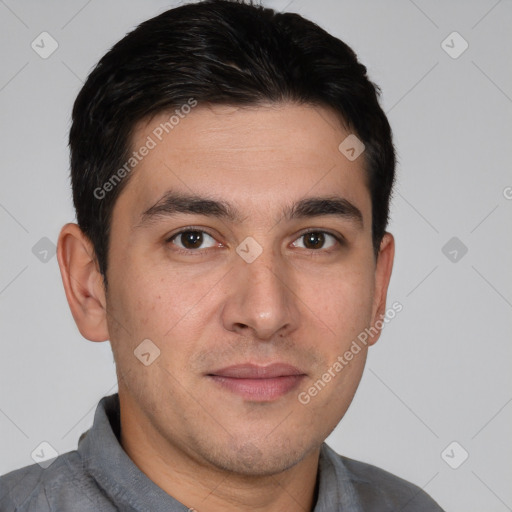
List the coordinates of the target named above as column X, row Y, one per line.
column 208, row 306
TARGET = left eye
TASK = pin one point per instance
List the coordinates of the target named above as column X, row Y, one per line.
column 316, row 240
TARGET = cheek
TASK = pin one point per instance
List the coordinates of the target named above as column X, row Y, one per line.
column 154, row 299
column 343, row 302
column 326, row 400
column 168, row 307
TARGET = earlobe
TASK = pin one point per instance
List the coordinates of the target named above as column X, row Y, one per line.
column 82, row 282
column 383, row 271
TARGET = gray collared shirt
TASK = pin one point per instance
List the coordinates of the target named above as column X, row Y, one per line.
column 99, row 476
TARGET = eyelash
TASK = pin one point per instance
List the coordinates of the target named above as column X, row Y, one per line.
column 198, row 252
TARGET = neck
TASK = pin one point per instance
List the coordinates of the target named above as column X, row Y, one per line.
column 206, row 488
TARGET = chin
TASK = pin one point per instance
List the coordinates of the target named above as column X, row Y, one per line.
column 257, row 459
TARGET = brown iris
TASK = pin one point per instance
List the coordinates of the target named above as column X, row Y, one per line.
column 191, row 239
column 314, row 240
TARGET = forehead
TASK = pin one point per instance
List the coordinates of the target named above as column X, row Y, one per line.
column 258, row 157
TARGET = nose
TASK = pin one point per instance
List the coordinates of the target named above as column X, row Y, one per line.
column 261, row 302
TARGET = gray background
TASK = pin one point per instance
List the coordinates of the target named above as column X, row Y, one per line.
column 441, row 370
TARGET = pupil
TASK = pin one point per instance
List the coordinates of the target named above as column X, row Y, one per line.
column 192, row 239
column 314, row 239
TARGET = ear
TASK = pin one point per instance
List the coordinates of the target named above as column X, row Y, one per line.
column 383, row 270
column 83, row 283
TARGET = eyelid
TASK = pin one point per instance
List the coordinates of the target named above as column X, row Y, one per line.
column 338, row 236
column 186, row 229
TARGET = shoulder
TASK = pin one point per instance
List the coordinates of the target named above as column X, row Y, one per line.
column 37, row 488
column 378, row 489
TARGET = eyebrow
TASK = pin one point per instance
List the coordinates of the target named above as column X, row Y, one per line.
column 173, row 203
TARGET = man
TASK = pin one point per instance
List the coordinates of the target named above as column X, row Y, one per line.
column 231, row 172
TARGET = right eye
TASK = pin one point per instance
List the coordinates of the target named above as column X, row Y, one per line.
column 191, row 240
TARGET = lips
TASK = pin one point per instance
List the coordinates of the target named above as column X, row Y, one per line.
column 253, row 371
column 258, row 383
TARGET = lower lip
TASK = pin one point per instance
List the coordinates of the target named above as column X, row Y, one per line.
column 259, row 390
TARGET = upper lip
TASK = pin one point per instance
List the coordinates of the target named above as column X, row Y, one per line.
column 254, row 371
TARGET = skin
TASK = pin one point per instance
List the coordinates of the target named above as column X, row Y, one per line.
column 207, row 446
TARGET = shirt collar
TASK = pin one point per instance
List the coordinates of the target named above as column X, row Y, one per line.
column 105, row 459
column 335, row 489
